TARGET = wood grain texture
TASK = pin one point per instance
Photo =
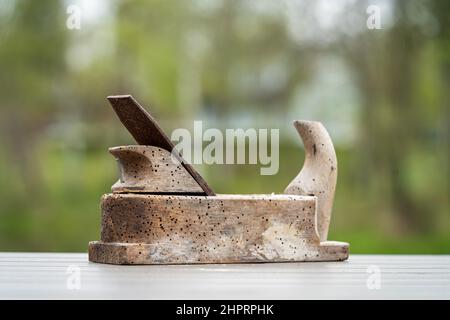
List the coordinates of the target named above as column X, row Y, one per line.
column 319, row 173
column 45, row 276
column 161, row 229
column 148, row 169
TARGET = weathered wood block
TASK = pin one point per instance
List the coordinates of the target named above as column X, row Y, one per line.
column 155, row 229
column 162, row 212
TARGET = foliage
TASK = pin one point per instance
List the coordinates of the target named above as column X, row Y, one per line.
column 383, row 94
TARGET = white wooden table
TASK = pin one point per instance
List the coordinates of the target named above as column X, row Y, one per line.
column 55, row 276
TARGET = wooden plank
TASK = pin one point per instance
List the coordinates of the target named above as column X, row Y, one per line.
column 45, row 276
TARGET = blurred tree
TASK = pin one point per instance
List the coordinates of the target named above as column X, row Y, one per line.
column 441, row 11
column 235, row 62
column 387, row 65
column 32, row 57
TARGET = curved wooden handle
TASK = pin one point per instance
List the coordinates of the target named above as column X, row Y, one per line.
column 319, row 173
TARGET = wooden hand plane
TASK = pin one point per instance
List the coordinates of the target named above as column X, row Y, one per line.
column 161, row 211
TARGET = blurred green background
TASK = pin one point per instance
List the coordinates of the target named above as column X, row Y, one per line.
column 383, row 95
